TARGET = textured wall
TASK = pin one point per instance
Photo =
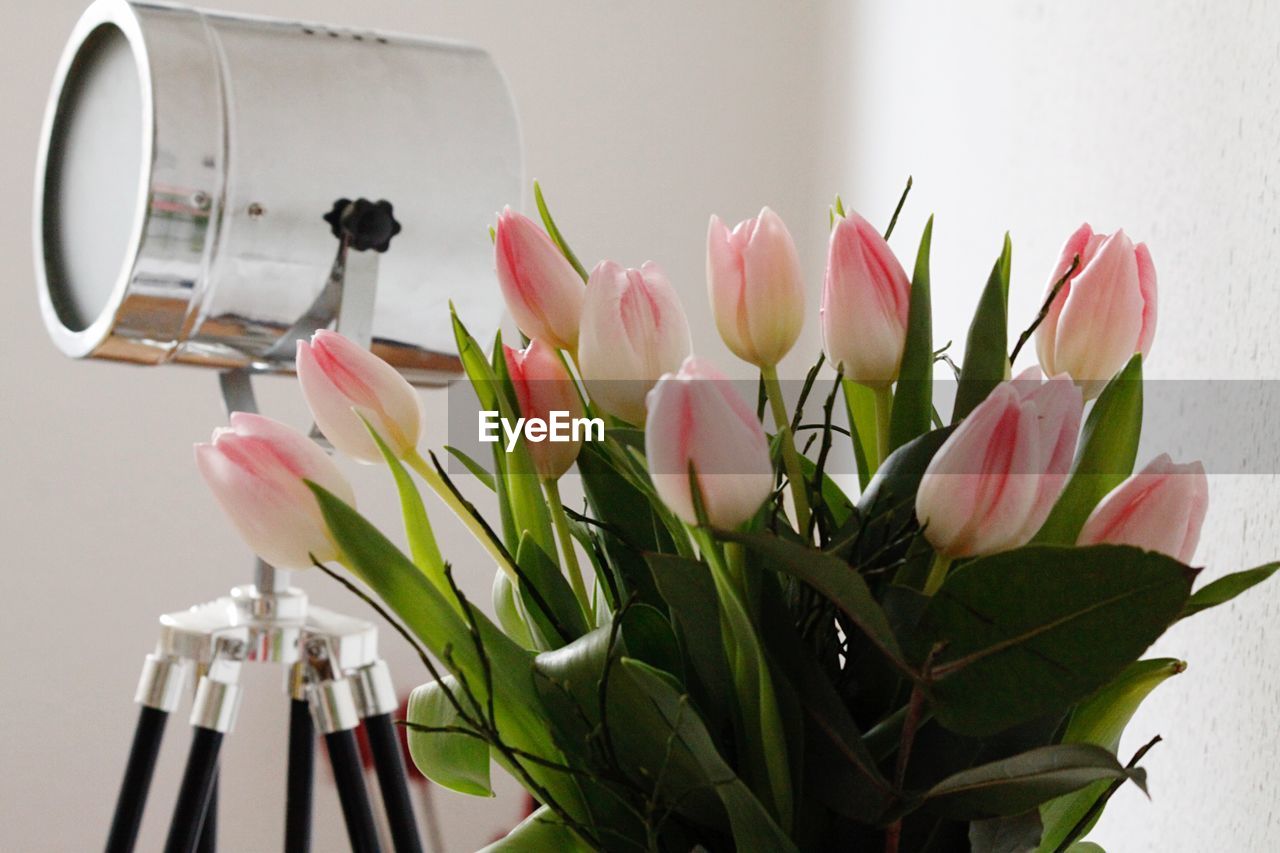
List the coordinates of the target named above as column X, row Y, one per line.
column 1164, row 119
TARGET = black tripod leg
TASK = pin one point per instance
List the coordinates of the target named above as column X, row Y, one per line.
column 209, row 829
column 137, row 780
column 195, row 790
column 389, row 763
column 297, row 815
column 345, row 756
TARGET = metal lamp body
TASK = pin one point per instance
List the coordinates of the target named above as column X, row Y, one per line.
column 201, row 151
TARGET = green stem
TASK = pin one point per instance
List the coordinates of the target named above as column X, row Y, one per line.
column 433, row 479
column 860, row 426
column 937, row 573
column 735, row 557
column 757, row 716
column 790, row 459
column 561, row 523
column 884, row 411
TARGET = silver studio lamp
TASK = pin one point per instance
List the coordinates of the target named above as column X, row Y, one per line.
column 188, row 158
column 193, row 205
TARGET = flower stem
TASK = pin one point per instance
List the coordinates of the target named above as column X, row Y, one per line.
column 884, row 410
column 561, row 523
column 790, row 459
column 937, row 573
column 433, row 479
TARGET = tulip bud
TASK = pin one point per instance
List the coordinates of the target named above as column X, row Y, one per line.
column 543, row 386
column 695, row 416
column 633, row 331
column 865, row 298
column 343, row 383
column 1104, row 313
column 543, row 291
column 255, row 469
column 757, row 291
column 1161, row 508
column 992, row 483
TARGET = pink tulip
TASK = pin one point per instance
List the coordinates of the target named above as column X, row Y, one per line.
column 255, row 469
column 343, row 383
column 757, row 291
column 544, row 387
column 542, row 289
column 695, row 416
column 633, row 331
column 864, row 304
column 1161, row 508
column 992, row 483
column 1105, row 312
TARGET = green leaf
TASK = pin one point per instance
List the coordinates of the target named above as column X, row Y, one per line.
column 833, row 497
column 529, row 510
column 1013, row 834
column 1013, row 785
column 1031, row 631
column 834, row 579
column 986, row 362
column 753, row 828
column 509, row 611
column 1105, row 457
column 767, row 766
column 1227, row 587
column 474, row 364
column 484, row 383
column 690, row 594
column 426, row 614
column 649, row 637
column 456, row 760
column 547, row 598
column 1085, row 847
column 1100, row 720
column 596, row 706
column 631, row 525
column 554, row 231
column 887, row 505
column 417, row 527
column 860, row 403
column 913, row 399
column 538, row 833
column 851, row 782
column 477, row 470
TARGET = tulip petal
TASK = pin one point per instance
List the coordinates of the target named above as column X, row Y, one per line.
column 697, row 419
column 1147, row 287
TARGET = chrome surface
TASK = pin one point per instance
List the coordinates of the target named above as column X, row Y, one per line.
column 332, row 697
column 251, row 625
column 218, row 692
column 160, row 685
column 333, row 706
column 249, row 130
column 375, row 692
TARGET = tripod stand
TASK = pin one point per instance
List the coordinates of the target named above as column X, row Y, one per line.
column 335, row 680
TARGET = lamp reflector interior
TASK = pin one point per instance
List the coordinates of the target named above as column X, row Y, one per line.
column 93, row 177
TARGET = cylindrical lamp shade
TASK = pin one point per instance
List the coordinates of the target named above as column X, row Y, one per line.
column 188, row 159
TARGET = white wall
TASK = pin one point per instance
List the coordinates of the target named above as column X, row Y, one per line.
column 1164, row 119
column 640, row 120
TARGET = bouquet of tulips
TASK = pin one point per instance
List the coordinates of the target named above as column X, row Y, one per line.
column 721, row 648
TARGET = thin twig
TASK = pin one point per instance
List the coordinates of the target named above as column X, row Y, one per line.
column 1099, row 804
column 901, row 201
column 1044, row 309
column 915, row 709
